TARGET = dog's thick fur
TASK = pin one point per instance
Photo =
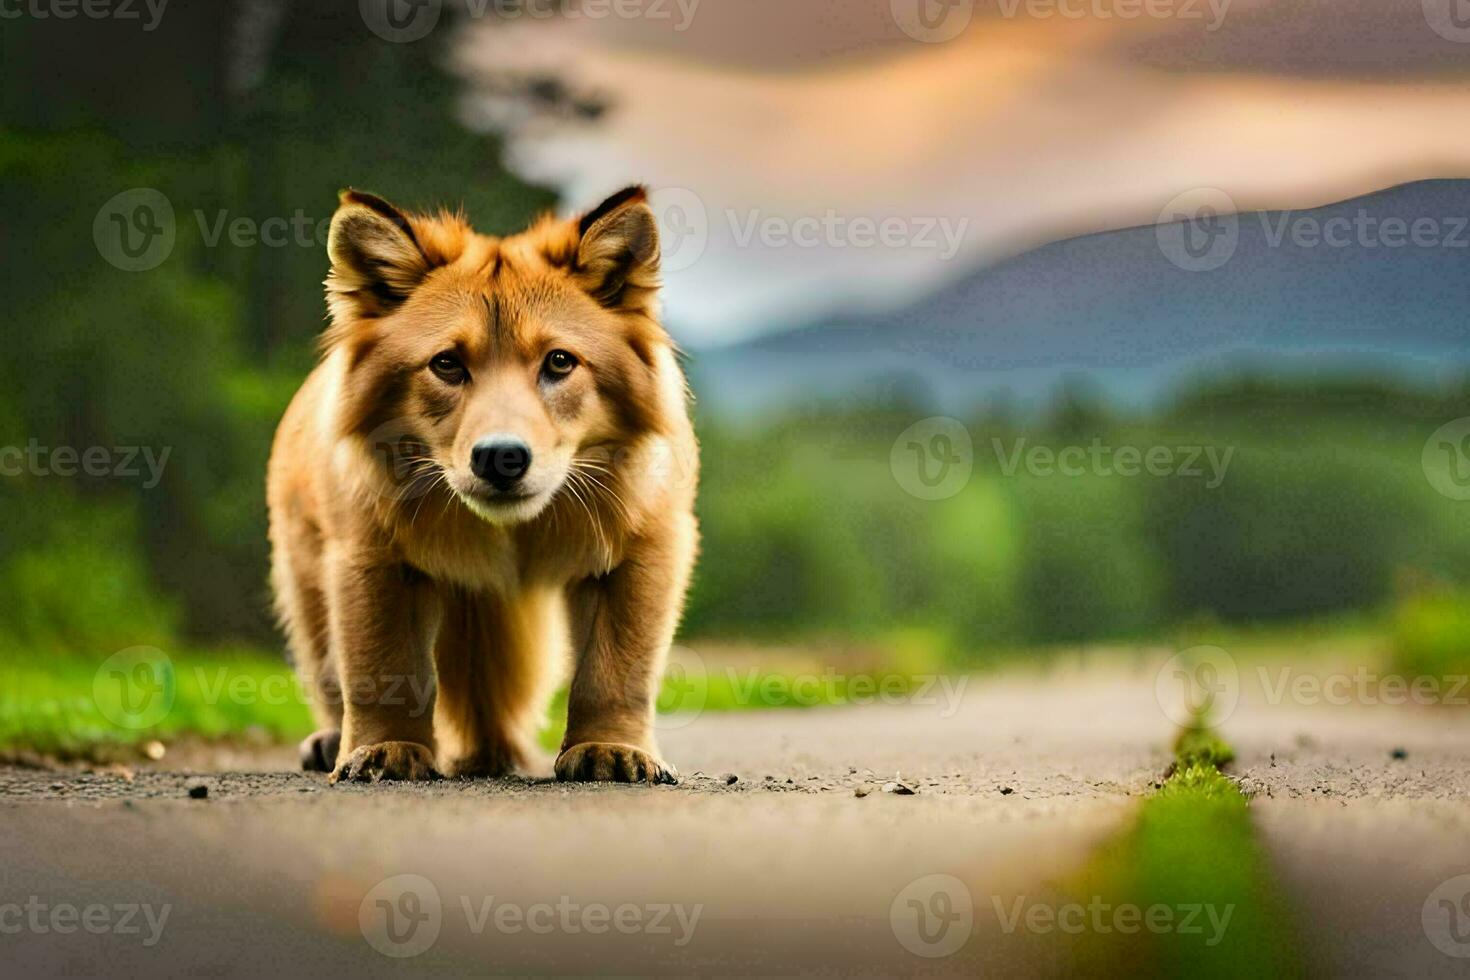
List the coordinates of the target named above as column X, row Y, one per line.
column 430, row 614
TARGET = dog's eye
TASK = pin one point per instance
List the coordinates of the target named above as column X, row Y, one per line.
column 449, row 368
column 559, row 364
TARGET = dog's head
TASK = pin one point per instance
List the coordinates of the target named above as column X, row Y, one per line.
column 495, row 365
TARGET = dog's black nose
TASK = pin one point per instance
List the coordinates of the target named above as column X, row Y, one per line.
column 500, row 461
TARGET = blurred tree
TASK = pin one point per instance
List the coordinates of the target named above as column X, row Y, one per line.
column 248, row 111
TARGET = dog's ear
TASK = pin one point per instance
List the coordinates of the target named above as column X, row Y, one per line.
column 617, row 257
column 376, row 258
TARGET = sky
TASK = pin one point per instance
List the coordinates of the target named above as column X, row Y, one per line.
column 815, row 157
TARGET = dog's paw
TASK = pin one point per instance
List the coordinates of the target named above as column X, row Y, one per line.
column 319, row 750
column 612, row 762
column 406, row 761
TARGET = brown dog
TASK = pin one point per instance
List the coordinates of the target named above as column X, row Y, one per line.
column 492, row 466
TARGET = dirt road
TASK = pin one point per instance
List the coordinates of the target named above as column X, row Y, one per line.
column 787, row 869
column 1362, row 804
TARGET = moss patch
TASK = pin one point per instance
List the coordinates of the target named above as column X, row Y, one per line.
column 1192, row 862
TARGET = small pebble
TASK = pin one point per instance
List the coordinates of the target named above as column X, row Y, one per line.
column 898, row 789
column 1006, row 791
column 730, row 779
column 861, row 791
column 199, row 792
column 1400, row 753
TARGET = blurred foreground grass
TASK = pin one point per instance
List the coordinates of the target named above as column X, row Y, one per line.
column 1195, row 873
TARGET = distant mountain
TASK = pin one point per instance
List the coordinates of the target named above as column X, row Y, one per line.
column 1379, row 285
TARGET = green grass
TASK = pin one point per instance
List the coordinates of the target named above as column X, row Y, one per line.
column 1431, row 635
column 1199, row 747
column 68, row 706
column 1192, row 845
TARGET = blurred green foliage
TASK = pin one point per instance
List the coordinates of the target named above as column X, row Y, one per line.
column 69, row 707
column 200, row 355
column 1323, row 509
column 1431, row 635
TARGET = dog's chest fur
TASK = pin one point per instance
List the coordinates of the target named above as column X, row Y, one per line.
column 478, row 556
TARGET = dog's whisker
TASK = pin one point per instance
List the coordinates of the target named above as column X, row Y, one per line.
column 575, row 479
column 441, row 477
column 620, row 505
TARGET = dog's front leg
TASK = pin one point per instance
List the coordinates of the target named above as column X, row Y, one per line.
column 622, row 624
column 382, row 620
